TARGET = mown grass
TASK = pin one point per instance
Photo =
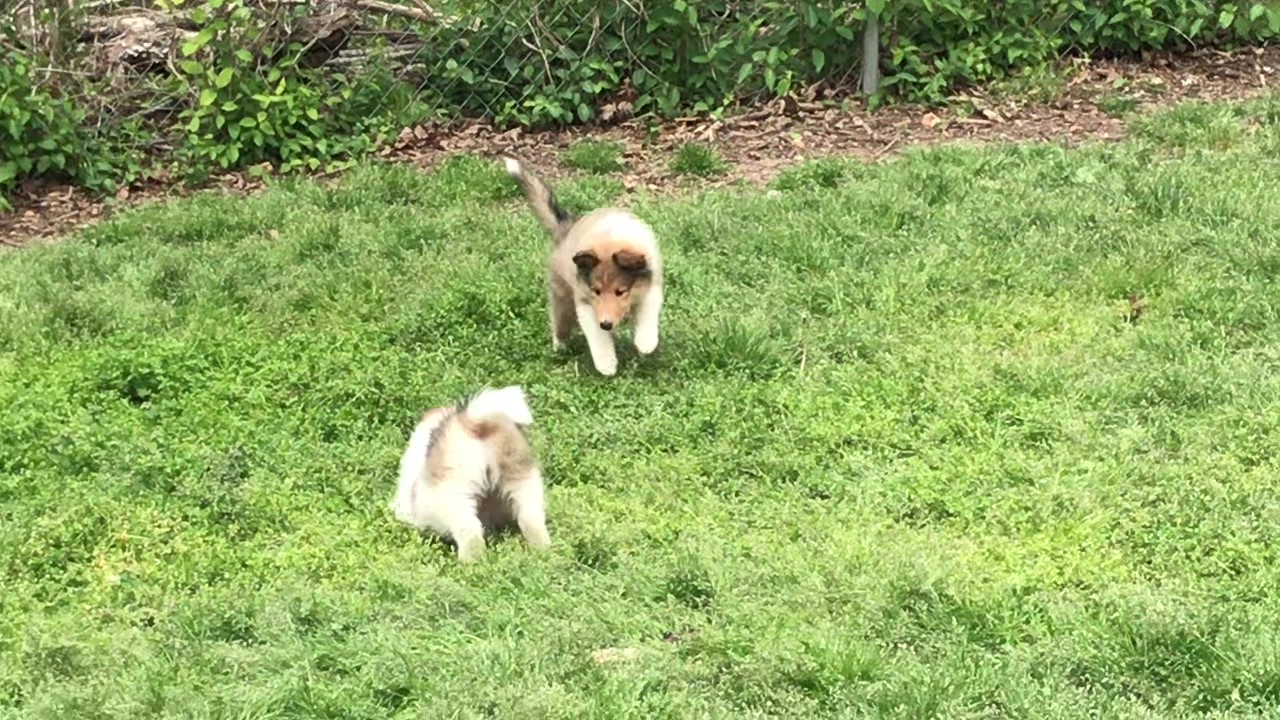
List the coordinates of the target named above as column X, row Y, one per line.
column 899, row 454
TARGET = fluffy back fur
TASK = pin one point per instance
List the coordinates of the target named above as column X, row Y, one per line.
column 489, row 410
column 469, row 468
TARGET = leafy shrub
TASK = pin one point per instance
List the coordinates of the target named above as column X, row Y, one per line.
column 36, row 126
column 938, row 44
column 46, row 135
column 242, row 112
column 706, row 55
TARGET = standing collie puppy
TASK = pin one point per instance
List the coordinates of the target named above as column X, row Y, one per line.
column 600, row 264
column 469, row 468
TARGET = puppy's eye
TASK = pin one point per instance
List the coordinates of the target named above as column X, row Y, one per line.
column 595, row 290
column 620, row 292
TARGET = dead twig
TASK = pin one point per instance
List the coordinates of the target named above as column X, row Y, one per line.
column 421, row 13
column 887, row 147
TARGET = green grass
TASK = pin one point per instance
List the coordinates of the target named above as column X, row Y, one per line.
column 899, row 454
column 595, row 156
column 1117, row 104
column 697, row 160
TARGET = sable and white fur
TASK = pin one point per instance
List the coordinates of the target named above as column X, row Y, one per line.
column 470, row 468
column 599, row 265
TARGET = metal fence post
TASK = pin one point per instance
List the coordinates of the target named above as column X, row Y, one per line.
column 871, row 53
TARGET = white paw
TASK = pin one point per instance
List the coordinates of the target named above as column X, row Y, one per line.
column 646, row 340
column 557, row 344
column 470, row 549
column 607, row 366
column 538, row 539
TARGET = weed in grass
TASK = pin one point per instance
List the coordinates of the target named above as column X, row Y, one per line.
column 816, row 174
column 1193, row 125
column 1117, row 104
column 595, row 156
column 905, row 451
column 697, row 159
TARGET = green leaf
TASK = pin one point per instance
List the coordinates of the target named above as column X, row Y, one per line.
column 200, row 40
column 876, row 6
column 1227, row 16
column 207, row 96
column 745, row 71
column 191, row 67
column 244, row 55
column 8, row 171
column 223, row 78
column 819, row 60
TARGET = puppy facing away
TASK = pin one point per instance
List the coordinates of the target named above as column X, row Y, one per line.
column 600, row 265
column 470, row 468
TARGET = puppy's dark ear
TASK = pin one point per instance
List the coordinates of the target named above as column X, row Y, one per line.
column 632, row 262
column 586, row 261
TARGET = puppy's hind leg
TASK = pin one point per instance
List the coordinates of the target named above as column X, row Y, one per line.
column 562, row 317
column 464, row 525
column 529, row 502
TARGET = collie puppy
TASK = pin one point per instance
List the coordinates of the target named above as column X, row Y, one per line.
column 599, row 266
column 470, row 468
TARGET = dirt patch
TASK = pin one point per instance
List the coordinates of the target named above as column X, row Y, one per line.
column 759, row 144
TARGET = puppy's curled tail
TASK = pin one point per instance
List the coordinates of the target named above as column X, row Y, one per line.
column 489, row 410
column 541, row 200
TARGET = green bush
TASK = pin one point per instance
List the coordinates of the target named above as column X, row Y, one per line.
column 46, row 135
column 939, row 44
column 244, row 112
column 706, row 55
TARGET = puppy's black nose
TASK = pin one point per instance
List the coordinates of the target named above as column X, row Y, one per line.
column 606, row 325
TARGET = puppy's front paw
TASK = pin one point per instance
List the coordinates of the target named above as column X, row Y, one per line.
column 646, row 340
column 607, row 367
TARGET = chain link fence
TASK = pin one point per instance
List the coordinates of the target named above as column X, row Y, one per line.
column 297, row 83
column 527, row 62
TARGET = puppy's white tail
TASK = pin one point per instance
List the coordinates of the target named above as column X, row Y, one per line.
column 491, row 406
column 541, row 199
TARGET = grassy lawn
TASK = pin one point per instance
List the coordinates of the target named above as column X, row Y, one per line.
column 903, row 452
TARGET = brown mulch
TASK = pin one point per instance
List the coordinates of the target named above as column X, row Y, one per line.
column 759, row 144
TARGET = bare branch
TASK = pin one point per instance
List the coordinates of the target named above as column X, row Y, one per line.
column 422, row 13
